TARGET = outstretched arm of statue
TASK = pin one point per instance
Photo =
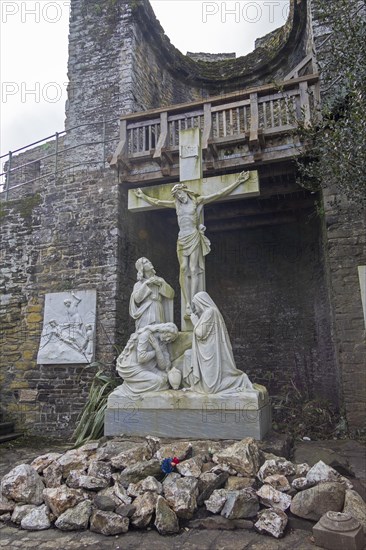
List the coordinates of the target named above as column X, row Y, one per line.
column 154, row 202
column 205, row 199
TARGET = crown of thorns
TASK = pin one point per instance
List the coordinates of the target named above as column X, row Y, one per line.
column 179, row 187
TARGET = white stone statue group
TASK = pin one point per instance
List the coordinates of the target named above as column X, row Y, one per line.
column 208, row 367
column 145, row 364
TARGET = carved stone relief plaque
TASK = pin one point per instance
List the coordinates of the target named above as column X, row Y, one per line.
column 68, row 334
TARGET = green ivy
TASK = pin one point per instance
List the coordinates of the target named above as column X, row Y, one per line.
column 336, row 140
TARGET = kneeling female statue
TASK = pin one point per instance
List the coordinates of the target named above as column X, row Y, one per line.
column 212, row 367
column 144, row 362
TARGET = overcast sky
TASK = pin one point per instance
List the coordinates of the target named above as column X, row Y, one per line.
column 34, row 38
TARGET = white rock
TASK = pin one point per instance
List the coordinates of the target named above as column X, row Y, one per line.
column 52, row 475
column 240, row 504
column 313, row 503
column 108, row 523
column 117, row 493
column 77, row 480
column 269, row 496
column 302, row 469
column 166, row 520
column 145, row 506
column 191, row 467
column 100, row 469
column 6, row 505
column 73, row 460
column 142, row 452
column 278, row 465
column 20, row 511
column 278, row 482
column 75, row 518
column 170, row 479
column 23, row 484
column 89, row 447
column 37, row 519
column 272, row 522
column 216, row 501
column 181, row 496
column 148, row 484
column 242, row 457
column 220, row 468
column 180, row 449
column 41, row 462
column 59, row 499
column 301, row 483
column 321, row 473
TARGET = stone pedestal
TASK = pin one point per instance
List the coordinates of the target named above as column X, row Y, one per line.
column 186, row 414
column 337, row 531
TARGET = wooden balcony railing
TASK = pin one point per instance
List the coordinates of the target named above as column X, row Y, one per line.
column 255, row 124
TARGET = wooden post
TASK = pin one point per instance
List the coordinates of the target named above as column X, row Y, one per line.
column 121, row 153
column 254, row 121
column 304, row 103
column 207, row 125
column 163, row 139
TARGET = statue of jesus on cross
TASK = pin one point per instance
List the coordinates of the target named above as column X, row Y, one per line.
column 192, row 244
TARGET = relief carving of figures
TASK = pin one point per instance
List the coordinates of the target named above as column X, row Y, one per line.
column 145, row 361
column 152, row 298
column 68, row 334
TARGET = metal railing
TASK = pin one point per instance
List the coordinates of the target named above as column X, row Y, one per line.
column 56, row 155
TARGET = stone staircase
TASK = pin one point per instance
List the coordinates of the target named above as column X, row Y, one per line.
column 7, row 431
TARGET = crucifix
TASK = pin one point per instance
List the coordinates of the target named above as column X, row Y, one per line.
column 188, row 198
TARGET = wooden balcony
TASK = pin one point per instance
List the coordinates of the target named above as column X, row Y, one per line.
column 248, row 128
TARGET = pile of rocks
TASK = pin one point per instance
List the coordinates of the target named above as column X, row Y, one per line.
column 111, row 486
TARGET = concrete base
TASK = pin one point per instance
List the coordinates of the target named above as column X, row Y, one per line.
column 183, row 414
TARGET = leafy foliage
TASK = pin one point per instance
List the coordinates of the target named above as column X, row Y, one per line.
column 336, row 140
column 91, row 422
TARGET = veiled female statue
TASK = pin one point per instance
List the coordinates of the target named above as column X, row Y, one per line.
column 144, row 362
column 213, row 368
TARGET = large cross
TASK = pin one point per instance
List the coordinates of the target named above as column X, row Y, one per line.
column 190, row 174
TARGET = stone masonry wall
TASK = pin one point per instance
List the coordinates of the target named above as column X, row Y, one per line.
column 121, row 61
column 345, row 250
column 345, row 232
column 99, row 71
column 64, row 237
column 269, row 283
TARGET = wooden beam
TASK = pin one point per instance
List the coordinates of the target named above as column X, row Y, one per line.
column 254, row 121
column 121, row 153
column 305, row 103
column 207, row 125
column 163, row 139
column 295, row 71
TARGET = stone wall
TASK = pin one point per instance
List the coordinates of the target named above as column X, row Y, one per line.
column 269, row 282
column 345, row 249
column 121, row 61
column 345, row 231
column 64, row 237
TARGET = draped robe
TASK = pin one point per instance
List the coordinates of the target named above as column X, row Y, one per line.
column 213, row 365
